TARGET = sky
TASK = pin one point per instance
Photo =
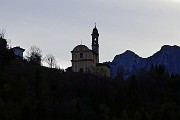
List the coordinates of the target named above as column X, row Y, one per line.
column 57, row 26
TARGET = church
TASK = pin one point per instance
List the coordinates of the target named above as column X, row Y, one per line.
column 87, row 60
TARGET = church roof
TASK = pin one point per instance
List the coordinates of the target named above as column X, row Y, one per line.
column 18, row 47
column 81, row 48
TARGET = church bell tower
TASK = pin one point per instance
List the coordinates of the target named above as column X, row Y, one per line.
column 95, row 44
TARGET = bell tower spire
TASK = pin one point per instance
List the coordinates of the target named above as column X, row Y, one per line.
column 95, row 44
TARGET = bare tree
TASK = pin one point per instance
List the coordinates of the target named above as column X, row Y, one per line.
column 3, row 42
column 2, row 33
column 50, row 60
column 34, row 55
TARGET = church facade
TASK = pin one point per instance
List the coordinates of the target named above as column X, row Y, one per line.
column 87, row 60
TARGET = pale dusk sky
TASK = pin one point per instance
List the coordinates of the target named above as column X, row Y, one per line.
column 57, row 26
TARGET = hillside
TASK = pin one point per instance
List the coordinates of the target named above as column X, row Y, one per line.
column 33, row 92
column 129, row 63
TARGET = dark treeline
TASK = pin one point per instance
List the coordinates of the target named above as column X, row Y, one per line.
column 33, row 92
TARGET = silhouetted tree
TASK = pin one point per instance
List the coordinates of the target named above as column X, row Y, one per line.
column 3, row 42
column 35, row 92
column 2, row 33
column 35, row 55
column 50, row 60
column 124, row 115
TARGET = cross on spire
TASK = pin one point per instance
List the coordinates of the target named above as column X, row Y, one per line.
column 81, row 41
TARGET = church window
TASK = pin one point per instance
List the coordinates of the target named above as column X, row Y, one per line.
column 75, row 56
column 81, row 55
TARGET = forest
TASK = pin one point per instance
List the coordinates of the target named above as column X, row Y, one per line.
column 30, row 91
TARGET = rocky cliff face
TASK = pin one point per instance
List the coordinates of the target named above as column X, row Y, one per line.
column 130, row 63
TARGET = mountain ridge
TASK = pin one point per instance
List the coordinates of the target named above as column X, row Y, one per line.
column 130, row 63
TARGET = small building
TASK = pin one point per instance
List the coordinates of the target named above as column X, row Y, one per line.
column 18, row 51
column 87, row 60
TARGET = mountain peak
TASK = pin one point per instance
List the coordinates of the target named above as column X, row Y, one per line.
column 129, row 52
column 127, row 55
column 167, row 47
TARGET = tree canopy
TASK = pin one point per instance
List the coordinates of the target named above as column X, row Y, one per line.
column 33, row 92
column 35, row 55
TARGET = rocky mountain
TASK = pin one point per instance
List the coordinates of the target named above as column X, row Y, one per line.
column 130, row 63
